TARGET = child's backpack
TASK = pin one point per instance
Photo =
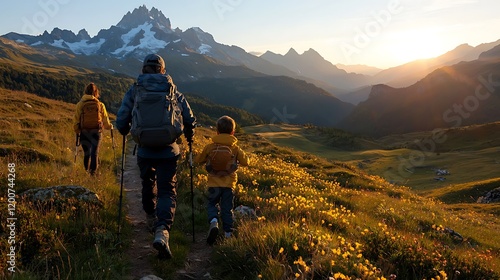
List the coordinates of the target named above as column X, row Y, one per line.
column 90, row 117
column 156, row 117
column 221, row 161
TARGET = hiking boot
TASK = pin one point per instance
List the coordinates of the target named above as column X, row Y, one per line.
column 228, row 234
column 150, row 221
column 161, row 243
column 213, row 231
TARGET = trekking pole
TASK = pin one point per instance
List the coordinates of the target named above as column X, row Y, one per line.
column 77, row 144
column 121, row 189
column 114, row 145
column 191, row 175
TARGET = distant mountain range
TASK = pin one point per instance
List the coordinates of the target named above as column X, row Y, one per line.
column 466, row 93
column 146, row 31
column 192, row 56
column 352, row 83
column 411, row 97
column 360, row 69
column 312, row 65
column 410, row 73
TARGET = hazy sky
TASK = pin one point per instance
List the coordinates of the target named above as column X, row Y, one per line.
column 379, row 33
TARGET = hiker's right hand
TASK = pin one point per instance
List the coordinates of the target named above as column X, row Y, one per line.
column 124, row 131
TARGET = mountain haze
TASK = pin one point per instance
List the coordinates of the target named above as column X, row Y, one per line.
column 312, row 65
column 276, row 99
column 407, row 74
column 463, row 94
column 359, row 69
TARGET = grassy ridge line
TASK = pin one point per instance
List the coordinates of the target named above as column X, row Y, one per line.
column 400, row 155
column 68, row 86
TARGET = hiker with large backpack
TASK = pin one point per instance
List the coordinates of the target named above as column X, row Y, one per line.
column 156, row 115
column 222, row 158
column 90, row 119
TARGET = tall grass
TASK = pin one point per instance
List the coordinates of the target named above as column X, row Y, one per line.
column 73, row 240
column 313, row 227
column 317, row 219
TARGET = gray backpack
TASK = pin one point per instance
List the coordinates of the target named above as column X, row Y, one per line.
column 156, row 117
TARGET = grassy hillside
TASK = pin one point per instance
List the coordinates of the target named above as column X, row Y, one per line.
column 58, row 241
column 470, row 154
column 317, row 218
column 320, row 218
column 66, row 86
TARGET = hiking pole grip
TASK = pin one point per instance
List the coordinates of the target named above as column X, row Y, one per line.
column 121, row 188
column 77, row 143
column 191, row 177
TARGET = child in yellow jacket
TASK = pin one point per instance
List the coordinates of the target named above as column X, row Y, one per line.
column 220, row 186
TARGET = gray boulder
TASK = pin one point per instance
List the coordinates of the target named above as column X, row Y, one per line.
column 151, row 277
column 492, row 196
column 60, row 195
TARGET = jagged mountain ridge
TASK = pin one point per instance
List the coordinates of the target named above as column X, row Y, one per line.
column 137, row 34
column 312, row 65
column 192, row 55
column 144, row 31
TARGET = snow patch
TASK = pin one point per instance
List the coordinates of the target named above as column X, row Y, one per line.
column 204, row 48
column 147, row 42
column 59, row 44
column 83, row 47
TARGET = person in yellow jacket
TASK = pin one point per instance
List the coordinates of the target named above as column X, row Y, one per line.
column 89, row 120
column 220, row 184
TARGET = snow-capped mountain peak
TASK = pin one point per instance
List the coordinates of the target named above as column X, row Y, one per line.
column 142, row 15
column 141, row 32
column 141, row 37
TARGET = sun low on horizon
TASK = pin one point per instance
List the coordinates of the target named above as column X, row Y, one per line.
column 410, row 45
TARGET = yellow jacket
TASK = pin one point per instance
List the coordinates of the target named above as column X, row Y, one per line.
column 228, row 140
column 104, row 114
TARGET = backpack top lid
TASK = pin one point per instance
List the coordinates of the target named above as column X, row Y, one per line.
column 155, row 82
column 221, row 161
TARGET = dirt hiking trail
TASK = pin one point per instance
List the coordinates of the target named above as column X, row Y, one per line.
column 141, row 252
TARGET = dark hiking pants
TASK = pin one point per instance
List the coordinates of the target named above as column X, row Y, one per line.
column 159, row 183
column 224, row 197
column 90, row 141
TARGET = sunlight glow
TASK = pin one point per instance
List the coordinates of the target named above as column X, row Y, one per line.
column 416, row 44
